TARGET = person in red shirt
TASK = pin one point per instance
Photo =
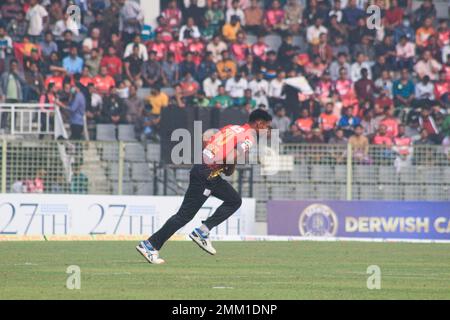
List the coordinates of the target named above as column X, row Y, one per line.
column 443, row 33
column 221, row 154
column 240, row 49
column 381, row 138
column 274, row 18
column 305, row 122
column 177, row 48
column 260, row 48
column 158, row 46
column 85, row 78
column 344, row 89
column 442, row 88
column 390, row 122
column 103, row 81
column 112, row 63
column 197, row 48
column 393, row 16
column 328, row 121
column 172, row 15
column 56, row 78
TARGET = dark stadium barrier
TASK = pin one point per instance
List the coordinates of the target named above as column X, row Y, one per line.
column 173, row 118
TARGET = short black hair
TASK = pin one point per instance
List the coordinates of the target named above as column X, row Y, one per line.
column 259, row 114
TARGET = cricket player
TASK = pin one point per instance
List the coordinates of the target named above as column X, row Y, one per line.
column 219, row 156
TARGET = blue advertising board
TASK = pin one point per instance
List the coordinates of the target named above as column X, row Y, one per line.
column 360, row 219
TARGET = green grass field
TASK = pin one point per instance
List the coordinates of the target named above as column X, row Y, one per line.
column 241, row 270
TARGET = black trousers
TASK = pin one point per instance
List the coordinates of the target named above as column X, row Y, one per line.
column 76, row 132
column 196, row 195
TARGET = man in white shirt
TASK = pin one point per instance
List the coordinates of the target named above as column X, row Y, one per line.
column 276, row 87
column 143, row 54
column 235, row 10
column 37, row 18
column 425, row 89
column 211, row 85
column 360, row 63
column 216, row 47
column 260, row 89
column 236, row 86
column 313, row 32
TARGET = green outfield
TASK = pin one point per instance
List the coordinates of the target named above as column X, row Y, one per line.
column 241, row 270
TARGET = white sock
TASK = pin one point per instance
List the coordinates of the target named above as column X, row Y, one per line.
column 204, row 229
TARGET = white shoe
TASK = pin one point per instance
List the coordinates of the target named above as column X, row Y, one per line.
column 203, row 241
column 152, row 256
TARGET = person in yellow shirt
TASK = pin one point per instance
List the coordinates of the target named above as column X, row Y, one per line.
column 226, row 68
column 157, row 100
column 231, row 29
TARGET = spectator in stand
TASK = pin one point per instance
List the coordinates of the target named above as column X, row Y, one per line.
column 188, row 65
column 294, row 135
column 37, row 17
column 93, row 62
column 211, row 85
column 231, row 29
column 280, row 121
column 92, row 42
column 364, row 87
column 390, row 122
column 189, row 87
column 157, row 100
column 189, row 31
column 103, row 81
column 235, row 11
column 314, row 31
column 260, row 89
column 226, row 67
column 254, row 16
column 134, row 106
column 114, row 109
column 131, row 19
column 442, row 89
column 133, row 66
column 151, row 71
column 158, row 46
column 170, row 71
column 112, row 63
column 305, row 123
column 424, row 33
column 405, row 53
column 73, row 63
column 336, row 65
column 137, row 41
column 382, row 138
column 348, row 122
column 276, row 93
column 222, row 100
column 274, row 20
column 424, row 92
column 172, row 14
column 216, row 47
column 427, row 122
column 214, row 17
column 48, row 46
column 240, row 49
column 11, row 86
column 328, row 121
column 360, row 63
column 360, row 145
column 236, row 87
column 427, row 66
column 403, row 91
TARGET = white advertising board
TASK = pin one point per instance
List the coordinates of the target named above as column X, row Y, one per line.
column 58, row 214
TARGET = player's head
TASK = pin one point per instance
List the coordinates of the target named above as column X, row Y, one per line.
column 259, row 120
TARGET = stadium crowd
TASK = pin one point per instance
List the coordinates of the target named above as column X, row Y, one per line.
column 385, row 85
